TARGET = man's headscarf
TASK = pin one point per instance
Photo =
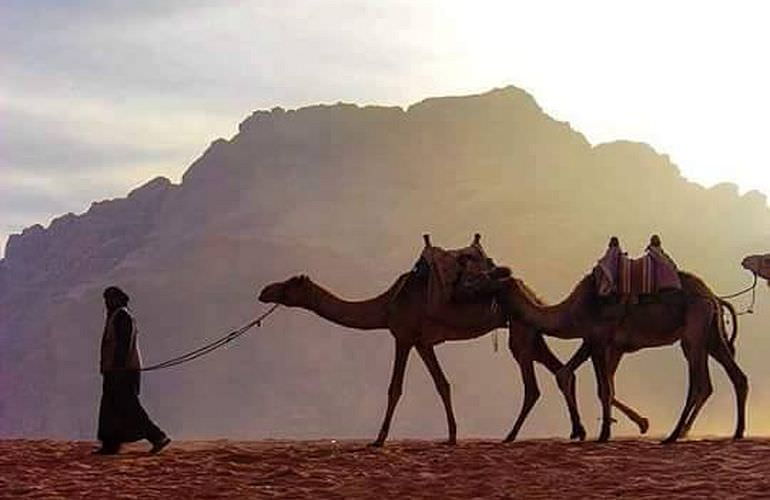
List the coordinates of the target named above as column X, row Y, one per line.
column 116, row 294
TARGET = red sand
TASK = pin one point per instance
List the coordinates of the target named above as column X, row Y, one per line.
column 405, row 469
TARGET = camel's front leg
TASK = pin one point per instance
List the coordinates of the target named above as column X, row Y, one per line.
column 395, row 389
column 428, row 355
column 521, row 342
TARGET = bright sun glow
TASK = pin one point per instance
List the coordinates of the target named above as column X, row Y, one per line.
column 687, row 77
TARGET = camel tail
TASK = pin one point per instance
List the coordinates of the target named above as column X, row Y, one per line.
column 733, row 321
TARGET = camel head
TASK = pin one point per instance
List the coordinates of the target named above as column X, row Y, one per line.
column 292, row 292
column 758, row 264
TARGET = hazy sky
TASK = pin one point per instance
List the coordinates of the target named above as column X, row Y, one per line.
column 97, row 96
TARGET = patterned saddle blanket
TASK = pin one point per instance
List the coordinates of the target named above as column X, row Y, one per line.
column 651, row 273
column 636, row 276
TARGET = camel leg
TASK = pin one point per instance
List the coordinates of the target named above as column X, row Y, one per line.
column 566, row 375
column 629, row 412
column 716, row 343
column 521, row 342
column 696, row 364
column 642, row 422
column 694, row 345
column 613, row 360
column 565, row 378
column 428, row 356
column 395, row 389
column 722, row 353
column 700, row 400
column 599, row 358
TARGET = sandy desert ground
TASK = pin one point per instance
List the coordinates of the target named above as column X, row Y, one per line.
column 403, row 469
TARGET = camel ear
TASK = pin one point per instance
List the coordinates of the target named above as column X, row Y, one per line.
column 303, row 278
column 476, row 239
column 426, row 239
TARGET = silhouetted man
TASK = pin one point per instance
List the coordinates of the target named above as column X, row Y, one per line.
column 121, row 417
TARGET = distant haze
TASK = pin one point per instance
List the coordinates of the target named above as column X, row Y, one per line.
column 98, row 96
column 343, row 194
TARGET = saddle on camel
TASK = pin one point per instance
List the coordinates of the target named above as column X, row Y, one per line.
column 653, row 276
column 460, row 276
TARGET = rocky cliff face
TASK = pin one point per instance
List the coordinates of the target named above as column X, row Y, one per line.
column 343, row 193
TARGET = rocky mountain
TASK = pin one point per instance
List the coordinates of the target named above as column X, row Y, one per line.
column 343, row 193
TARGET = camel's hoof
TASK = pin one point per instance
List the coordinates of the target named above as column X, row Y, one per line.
column 449, row 442
column 644, row 426
column 738, row 436
column 578, row 435
column 376, row 444
column 669, row 440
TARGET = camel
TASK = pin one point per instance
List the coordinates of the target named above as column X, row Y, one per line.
column 401, row 309
column 695, row 319
column 759, row 265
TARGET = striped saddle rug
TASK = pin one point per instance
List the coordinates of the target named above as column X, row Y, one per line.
column 636, row 276
column 646, row 275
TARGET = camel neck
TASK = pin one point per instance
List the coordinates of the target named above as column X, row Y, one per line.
column 368, row 314
column 554, row 318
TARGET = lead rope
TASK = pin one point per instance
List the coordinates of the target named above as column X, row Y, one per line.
column 752, row 289
column 750, row 309
column 211, row 346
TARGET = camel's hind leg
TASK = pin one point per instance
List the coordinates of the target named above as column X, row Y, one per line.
column 428, row 356
column 694, row 344
column 642, row 422
column 395, row 389
column 604, row 388
column 699, row 390
column 566, row 375
column 521, row 342
column 722, row 353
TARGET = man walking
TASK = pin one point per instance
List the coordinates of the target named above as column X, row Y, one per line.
column 121, row 416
